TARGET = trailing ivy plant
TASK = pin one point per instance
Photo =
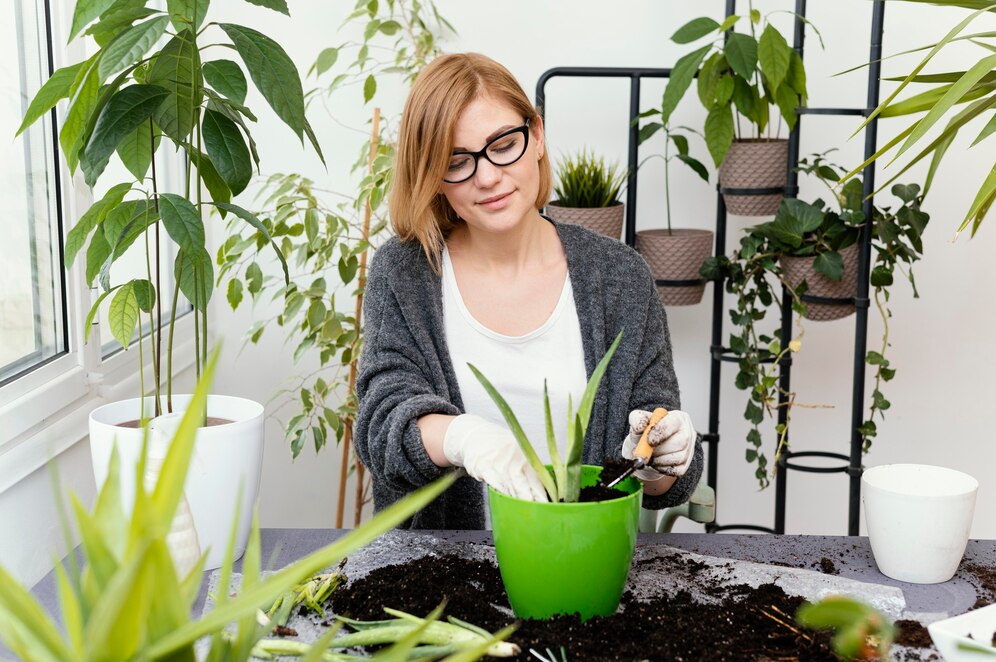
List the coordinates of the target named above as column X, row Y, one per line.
column 740, row 76
column 320, row 230
column 816, row 230
column 132, row 99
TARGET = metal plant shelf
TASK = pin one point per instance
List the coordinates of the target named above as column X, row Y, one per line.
column 720, row 354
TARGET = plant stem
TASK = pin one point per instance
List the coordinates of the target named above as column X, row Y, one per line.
column 157, row 329
column 152, row 330
column 667, row 182
column 169, row 342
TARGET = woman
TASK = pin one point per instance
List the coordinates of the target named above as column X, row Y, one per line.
column 476, row 274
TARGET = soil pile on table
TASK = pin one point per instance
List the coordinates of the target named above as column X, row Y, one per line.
column 743, row 624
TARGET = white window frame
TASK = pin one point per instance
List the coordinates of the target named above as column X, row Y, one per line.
column 45, row 411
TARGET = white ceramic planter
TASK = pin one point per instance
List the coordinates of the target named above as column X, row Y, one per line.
column 919, row 517
column 224, row 471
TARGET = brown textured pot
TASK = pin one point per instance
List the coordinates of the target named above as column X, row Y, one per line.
column 754, row 164
column 607, row 220
column 798, row 269
column 676, row 256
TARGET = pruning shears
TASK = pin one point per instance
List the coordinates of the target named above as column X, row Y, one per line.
column 643, row 450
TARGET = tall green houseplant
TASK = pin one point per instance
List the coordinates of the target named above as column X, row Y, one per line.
column 147, row 89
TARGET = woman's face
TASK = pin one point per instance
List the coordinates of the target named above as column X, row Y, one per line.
column 495, row 198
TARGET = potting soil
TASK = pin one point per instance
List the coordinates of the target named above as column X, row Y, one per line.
column 677, row 605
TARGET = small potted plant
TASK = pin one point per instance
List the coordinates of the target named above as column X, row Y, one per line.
column 822, row 239
column 132, row 99
column 587, row 193
column 740, row 77
column 675, row 254
column 566, row 555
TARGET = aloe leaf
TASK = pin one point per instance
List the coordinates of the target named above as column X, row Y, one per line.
column 957, row 91
column 72, row 611
column 108, row 513
column 282, row 581
column 518, row 433
column 584, row 407
column 559, row 470
column 574, row 452
column 116, row 623
column 24, row 620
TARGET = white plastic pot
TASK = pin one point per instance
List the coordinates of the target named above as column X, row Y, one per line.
column 224, row 471
column 919, row 517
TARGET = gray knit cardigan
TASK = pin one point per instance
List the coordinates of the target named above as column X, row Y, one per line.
column 406, row 372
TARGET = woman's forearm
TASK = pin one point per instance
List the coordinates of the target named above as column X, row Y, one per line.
column 659, row 486
column 433, row 429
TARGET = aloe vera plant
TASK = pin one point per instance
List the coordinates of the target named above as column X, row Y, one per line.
column 564, row 483
column 130, row 603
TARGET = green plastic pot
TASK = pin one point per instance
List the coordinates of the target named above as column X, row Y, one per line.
column 562, row 558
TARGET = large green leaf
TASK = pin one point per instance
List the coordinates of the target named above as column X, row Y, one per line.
column 194, row 272
column 774, row 54
column 183, row 222
column 312, row 138
column 87, row 11
column 84, row 93
column 830, row 264
column 144, row 215
column 126, row 111
column 91, row 219
column 137, row 148
column 249, row 218
column 694, row 29
column 273, row 72
column 238, row 114
column 54, row 90
column 123, row 314
column 226, row 77
column 187, row 14
column 96, row 255
column 681, row 77
column 117, row 219
column 227, row 150
column 719, row 132
column 741, row 53
column 216, row 186
column 130, row 46
column 275, row 5
column 177, row 68
column 117, row 19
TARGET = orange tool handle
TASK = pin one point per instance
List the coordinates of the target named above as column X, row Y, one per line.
column 644, row 449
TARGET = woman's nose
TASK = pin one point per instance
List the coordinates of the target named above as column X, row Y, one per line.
column 488, row 174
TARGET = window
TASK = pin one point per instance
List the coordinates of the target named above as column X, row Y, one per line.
column 33, row 321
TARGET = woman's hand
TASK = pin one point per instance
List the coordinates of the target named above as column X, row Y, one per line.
column 490, row 453
column 673, row 441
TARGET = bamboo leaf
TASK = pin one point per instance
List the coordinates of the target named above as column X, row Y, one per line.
column 54, row 90
column 681, row 77
column 982, row 201
column 129, row 47
column 694, row 29
column 987, row 131
column 226, row 77
column 123, row 314
column 228, row 151
column 518, row 433
column 273, row 72
column 124, row 113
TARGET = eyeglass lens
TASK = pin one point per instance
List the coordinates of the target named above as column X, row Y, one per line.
column 502, row 151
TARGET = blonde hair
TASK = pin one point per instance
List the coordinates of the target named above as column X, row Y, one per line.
column 425, row 141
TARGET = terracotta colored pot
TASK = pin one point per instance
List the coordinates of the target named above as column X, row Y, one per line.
column 676, row 256
column 798, row 269
column 606, row 220
column 754, row 164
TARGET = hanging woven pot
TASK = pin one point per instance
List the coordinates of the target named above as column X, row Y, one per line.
column 756, row 165
column 798, row 269
column 606, row 220
column 676, row 256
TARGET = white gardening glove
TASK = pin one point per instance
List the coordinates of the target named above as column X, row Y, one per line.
column 673, row 440
column 489, row 453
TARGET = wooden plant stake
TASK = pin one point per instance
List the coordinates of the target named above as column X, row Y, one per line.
column 347, row 436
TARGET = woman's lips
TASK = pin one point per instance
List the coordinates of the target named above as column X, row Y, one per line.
column 496, row 202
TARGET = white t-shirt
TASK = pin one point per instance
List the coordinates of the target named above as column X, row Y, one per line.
column 517, row 365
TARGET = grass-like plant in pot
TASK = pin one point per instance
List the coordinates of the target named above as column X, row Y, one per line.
column 564, row 556
column 741, row 76
column 675, row 254
column 825, row 237
column 587, row 193
column 134, row 97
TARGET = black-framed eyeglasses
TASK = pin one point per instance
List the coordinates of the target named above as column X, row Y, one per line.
column 503, row 150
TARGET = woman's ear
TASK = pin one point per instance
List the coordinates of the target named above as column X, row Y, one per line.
column 536, row 128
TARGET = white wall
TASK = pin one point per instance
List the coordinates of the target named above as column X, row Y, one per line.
column 940, row 343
